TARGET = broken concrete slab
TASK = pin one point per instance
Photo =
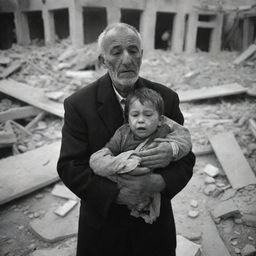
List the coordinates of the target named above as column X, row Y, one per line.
column 186, row 247
column 212, row 92
column 235, row 165
column 212, row 244
column 31, row 95
column 52, row 228
column 55, row 252
column 21, row 174
column 225, row 210
column 63, row 192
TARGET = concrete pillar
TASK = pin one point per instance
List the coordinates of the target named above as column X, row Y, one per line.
column 21, row 27
column 49, row 28
column 76, row 23
column 113, row 14
column 147, row 25
column 215, row 41
column 178, row 33
column 192, row 32
column 248, row 28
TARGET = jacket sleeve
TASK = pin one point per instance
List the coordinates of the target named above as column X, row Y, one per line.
column 177, row 174
column 73, row 164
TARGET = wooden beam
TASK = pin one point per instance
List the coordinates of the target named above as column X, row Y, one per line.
column 230, row 156
column 32, row 96
column 35, row 120
column 7, row 137
column 16, row 65
column 245, row 55
column 27, row 172
column 212, row 92
column 19, row 113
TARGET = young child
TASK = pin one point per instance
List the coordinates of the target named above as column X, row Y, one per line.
column 146, row 125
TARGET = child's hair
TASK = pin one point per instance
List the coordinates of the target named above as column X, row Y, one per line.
column 145, row 95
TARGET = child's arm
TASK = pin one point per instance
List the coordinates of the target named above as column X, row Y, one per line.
column 179, row 138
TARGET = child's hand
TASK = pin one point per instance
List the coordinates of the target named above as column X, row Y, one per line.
column 139, row 171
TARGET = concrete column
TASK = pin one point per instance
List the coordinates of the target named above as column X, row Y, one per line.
column 248, row 28
column 76, row 23
column 21, row 27
column 215, row 42
column 148, row 24
column 192, row 32
column 178, row 32
column 113, row 14
column 49, row 28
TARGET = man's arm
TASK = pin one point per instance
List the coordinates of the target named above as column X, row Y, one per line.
column 73, row 164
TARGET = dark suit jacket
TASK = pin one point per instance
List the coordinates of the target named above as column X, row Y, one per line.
column 91, row 117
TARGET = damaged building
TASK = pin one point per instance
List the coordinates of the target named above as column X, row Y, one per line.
column 179, row 25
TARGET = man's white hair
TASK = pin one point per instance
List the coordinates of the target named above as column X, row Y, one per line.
column 115, row 26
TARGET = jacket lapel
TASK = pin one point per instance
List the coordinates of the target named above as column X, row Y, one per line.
column 109, row 108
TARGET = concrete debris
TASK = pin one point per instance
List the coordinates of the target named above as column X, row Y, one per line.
column 209, row 189
column 65, row 208
column 226, row 209
column 229, row 193
column 209, row 180
column 194, row 203
column 211, row 170
column 63, row 192
column 248, row 250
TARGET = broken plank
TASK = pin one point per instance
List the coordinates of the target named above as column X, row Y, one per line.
column 7, row 137
column 212, row 92
column 212, row 244
column 245, row 55
column 35, row 120
column 16, row 65
column 33, row 96
column 252, row 126
column 19, row 113
column 231, row 158
column 27, row 172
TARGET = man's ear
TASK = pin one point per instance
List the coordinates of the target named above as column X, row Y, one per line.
column 101, row 60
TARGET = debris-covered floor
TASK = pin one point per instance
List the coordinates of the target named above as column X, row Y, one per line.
column 217, row 210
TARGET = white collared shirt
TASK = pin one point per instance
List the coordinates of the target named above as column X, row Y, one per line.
column 120, row 99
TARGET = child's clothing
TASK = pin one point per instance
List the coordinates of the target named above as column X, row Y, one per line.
column 119, row 156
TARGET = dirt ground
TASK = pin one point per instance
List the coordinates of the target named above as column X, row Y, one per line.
column 206, row 116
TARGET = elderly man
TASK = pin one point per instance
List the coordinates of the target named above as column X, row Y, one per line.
column 91, row 117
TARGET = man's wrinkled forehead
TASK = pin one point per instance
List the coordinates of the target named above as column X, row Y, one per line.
column 119, row 35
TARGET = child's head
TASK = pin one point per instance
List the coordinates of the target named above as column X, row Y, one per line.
column 144, row 109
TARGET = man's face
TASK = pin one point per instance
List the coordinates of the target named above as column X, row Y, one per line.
column 122, row 57
column 143, row 118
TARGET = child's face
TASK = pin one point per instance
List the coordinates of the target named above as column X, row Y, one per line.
column 143, row 119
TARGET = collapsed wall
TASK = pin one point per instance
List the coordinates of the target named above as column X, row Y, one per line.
column 179, row 25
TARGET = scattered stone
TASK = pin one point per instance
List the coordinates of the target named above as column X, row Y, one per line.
column 209, row 189
column 238, row 221
column 229, row 193
column 237, row 233
column 194, row 203
column 32, row 247
column 209, row 180
column 31, row 215
column 249, row 220
column 211, row 170
column 70, row 251
column 217, row 220
column 36, row 214
column 21, row 227
column 220, row 184
column 216, row 192
column 248, row 250
column 234, row 242
column 237, row 251
column 250, row 238
column 39, row 196
column 66, row 207
column 225, row 210
column 193, row 214
column 228, row 226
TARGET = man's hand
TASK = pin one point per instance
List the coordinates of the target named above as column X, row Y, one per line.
column 158, row 155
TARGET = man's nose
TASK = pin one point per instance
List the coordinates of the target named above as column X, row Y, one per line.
column 126, row 57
